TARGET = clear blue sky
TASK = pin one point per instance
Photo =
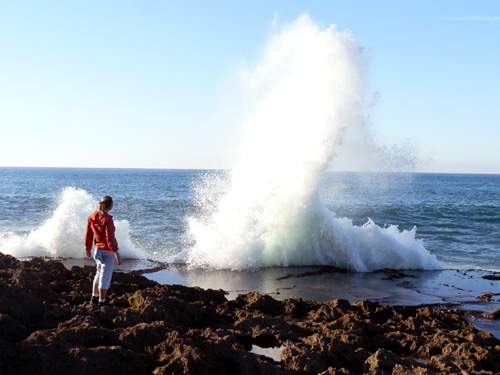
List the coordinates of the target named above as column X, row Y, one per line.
column 144, row 83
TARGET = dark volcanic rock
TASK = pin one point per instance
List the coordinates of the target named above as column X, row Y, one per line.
column 494, row 315
column 48, row 327
column 386, row 362
column 259, row 302
column 493, row 276
column 106, row 360
column 8, row 261
column 20, row 304
column 143, row 334
column 486, row 297
column 10, row 329
column 298, row 308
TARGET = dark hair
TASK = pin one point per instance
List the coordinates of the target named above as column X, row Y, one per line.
column 105, row 203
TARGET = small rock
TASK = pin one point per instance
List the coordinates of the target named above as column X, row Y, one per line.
column 494, row 315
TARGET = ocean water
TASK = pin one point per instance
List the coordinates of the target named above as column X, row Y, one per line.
column 43, row 210
column 305, row 102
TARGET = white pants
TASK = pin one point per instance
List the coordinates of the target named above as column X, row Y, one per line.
column 105, row 265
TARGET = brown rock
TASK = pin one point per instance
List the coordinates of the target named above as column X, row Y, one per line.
column 48, row 327
column 493, row 276
column 156, row 303
column 73, row 337
column 10, row 329
column 143, row 334
column 494, row 315
column 260, row 302
column 298, row 308
column 21, row 305
column 8, row 261
column 106, row 360
column 486, row 297
column 385, row 362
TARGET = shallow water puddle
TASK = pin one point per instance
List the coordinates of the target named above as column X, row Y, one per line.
column 274, row 352
column 487, row 325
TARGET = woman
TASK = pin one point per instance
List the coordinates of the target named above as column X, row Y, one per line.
column 101, row 232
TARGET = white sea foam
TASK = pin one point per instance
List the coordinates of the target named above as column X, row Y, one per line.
column 308, row 88
column 63, row 233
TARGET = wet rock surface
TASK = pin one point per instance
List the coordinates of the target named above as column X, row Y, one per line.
column 492, row 276
column 494, row 315
column 48, row 327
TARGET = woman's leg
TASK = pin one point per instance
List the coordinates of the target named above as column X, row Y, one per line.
column 96, row 294
column 95, row 284
column 102, row 289
column 102, row 295
column 107, row 268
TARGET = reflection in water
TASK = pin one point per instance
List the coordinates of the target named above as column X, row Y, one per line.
column 390, row 287
column 403, row 288
column 274, row 353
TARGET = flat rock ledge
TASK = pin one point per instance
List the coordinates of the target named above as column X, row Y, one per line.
column 48, row 327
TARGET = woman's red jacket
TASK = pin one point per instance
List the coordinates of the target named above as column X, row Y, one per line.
column 101, row 232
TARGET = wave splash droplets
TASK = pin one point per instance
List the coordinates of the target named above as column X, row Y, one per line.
column 308, row 88
column 63, row 233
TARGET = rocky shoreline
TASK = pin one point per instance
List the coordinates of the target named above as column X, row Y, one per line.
column 48, row 327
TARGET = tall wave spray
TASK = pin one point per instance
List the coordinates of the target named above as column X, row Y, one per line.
column 307, row 89
column 63, row 233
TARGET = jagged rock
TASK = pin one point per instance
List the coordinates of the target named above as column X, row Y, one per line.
column 21, row 305
column 87, row 337
column 10, row 329
column 493, row 276
column 8, row 261
column 19, row 359
column 259, row 302
column 106, row 360
column 156, row 303
column 143, row 334
column 494, row 315
column 385, row 362
column 298, row 308
column 48, row 327
column 486, row 297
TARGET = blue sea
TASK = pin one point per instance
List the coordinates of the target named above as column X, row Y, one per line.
column 456, row 215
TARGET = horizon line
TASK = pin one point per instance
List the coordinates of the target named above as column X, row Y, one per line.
column 228, row 169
